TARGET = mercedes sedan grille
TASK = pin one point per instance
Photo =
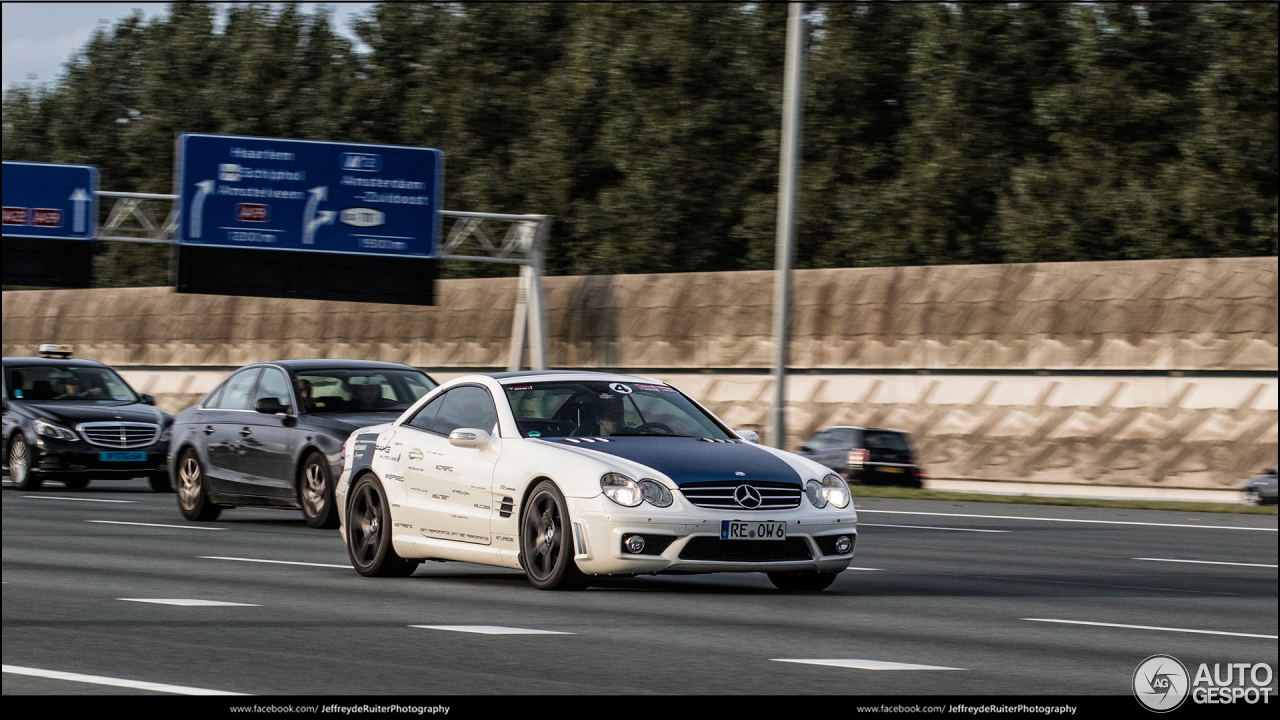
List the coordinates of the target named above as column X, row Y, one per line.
column 723, row 495
column 119, row 434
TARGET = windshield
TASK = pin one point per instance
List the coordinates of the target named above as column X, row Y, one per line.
column 70, row 383
column 595, row 409
column 360, row 390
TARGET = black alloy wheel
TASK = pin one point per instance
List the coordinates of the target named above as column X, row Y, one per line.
column 76, row 483
column 369, row 532
column 546, row 541
column 20, row 464
column 193, row 499
column 315, row 492
column 802, row 580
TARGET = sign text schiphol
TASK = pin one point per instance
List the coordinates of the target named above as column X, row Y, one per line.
column 50, row 201
column 309, row 196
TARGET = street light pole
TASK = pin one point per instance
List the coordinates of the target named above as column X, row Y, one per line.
column 788, row 180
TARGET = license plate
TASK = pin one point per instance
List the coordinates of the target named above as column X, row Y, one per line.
column 759, row 530
column 891, row 469
column 138, row 456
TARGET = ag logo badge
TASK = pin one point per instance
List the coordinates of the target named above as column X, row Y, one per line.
column 1161, row 683
column 620, row 388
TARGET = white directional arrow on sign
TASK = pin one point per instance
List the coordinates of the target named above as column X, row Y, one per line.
column 311, row 219
column 80, row 198
column 197, row 206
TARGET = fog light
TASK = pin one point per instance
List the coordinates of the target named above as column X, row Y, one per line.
column 843, row 545
column 634, row 544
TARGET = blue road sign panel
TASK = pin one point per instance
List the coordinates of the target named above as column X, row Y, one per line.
column 309, row 195
column 50, row 201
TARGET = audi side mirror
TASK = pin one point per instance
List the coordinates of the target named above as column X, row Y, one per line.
column 270, row 406
column 147, row 398
column 749, row 435
column 469, row 437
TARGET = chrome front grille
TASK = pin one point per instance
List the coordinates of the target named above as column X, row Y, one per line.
column 119, row 434
column 720, row 495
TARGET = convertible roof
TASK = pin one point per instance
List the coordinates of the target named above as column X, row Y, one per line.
column 553, row 374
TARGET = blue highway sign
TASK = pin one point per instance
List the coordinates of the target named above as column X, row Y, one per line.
column 309, row 195
column 50, row 201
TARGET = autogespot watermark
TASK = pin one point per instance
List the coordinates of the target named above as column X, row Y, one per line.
column 1161, row 683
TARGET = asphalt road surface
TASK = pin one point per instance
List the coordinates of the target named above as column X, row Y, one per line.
column 945, row 598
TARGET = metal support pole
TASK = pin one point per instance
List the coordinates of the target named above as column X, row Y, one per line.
column 788, row 180
column 530, row 313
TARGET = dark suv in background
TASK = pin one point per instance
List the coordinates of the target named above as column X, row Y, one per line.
column 871, row 456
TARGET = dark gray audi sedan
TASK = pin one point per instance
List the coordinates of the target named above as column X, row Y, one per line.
column 271, row 434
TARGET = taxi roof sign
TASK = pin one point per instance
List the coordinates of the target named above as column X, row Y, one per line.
column 55, row 350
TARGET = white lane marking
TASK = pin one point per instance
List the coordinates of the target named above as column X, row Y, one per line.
column 1067, row 520
column 1152, row 627
column 114, row 682
column 931, row 527
column 852, row 569
column 275, row 562
column 180, row 527
column 188, row 602
column 1206, row 562
column 868, row 664
column 490, row 630
column 55, row 497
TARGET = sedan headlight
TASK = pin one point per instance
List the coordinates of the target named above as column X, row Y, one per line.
column 621, row 489
column 48, row 429
column 655, row 493
column 832, row 490
column 166, row 435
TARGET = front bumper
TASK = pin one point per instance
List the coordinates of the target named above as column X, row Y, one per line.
column 54, row 459
column 688, row 543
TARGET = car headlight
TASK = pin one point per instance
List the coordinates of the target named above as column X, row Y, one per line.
column 655, row 493
column 164, row 436
column 831, row 491
column 621, row 489
column 48, row 429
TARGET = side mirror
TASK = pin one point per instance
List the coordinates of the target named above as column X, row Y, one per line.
column 805, row 448
column 270, row 406
column 147, row 398
column 469, row 437
column 748, row 435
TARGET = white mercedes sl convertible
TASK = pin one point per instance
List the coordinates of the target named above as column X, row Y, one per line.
column 571, row 475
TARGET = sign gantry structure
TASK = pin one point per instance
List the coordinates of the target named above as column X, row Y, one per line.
column 280, row 217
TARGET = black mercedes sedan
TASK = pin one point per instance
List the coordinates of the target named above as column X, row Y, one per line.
column 76, row 421
column 272, row 433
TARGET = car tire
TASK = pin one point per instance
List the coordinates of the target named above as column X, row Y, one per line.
column 193, row 498
column 315, row 492
column 546, row 541
column 76, row 483
column 369, row 532
column 20, row 464
column 160, row 483
column 802, row 580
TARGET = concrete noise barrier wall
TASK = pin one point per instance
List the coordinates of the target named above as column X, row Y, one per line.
column 1135, row 373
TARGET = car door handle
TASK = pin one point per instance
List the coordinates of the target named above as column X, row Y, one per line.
column 246, row 431
column 208, row 429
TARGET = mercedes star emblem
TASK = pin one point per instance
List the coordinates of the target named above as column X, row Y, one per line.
column 747, row 496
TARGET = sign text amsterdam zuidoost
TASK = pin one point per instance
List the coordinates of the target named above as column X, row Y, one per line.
column 309, row 196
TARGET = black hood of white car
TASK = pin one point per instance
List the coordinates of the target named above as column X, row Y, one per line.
column 68, row 414
column 692, row 460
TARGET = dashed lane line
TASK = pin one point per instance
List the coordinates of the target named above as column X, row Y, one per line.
column 275, row 562
column 74, row 499
column 862, row 569
column 1152, row 627
column 188, row 602
column 868, row 664
column 1067, row 520
column 114, row 682
column 490, row 630
column 1207, row 562
column 931, row 527
column 180, row 527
